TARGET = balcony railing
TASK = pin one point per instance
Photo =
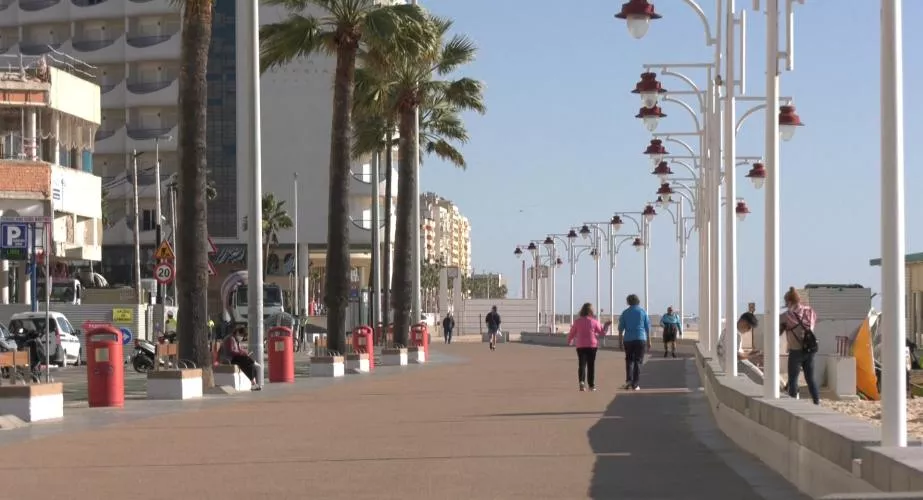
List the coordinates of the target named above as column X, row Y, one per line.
column 36, row 5
column 5, row 4
column 104, row 134
column 37, row 49
column 140, row 41
column 136, row 87
column 87, row 3
column 142, row 133
column 104, row 89
column 91, row 45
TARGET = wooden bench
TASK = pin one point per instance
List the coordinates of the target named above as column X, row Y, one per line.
column 18, row 365
column 168, row 354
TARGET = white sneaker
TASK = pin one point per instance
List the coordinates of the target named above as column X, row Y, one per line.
column 637, row 387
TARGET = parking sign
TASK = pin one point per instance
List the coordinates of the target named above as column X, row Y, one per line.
column 14, row 235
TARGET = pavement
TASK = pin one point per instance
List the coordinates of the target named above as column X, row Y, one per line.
column 473, row 424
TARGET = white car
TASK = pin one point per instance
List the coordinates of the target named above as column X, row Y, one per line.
column 66, row 348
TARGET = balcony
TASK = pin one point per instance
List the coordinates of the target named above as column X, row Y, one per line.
column 146, row 47
column 95, row 9
column 9, row 17
column 158, row 93
column 99, row 52
column 149, row 7
column 141, row 137
column 37, row 48
column 113, row 95
column 39, row 11
column 110, row 141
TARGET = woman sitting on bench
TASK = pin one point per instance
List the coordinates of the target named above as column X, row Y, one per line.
column 234, row 353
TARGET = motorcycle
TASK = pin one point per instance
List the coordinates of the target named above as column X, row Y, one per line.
column 142, row 359
column 33, row 343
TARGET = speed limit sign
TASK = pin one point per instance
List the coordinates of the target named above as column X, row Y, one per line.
column 163, row 273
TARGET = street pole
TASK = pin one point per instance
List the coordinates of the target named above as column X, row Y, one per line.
column 771, row 278
column 248, row 108
column 554, row 295
column 173, row 229
column 538, row 301
column 612, row 264
column 296, row 309
column 137, row 231
column 730, row 192
column 522, row 281
column 893, row 383
column 158, row 224
column 682, row 257
column 47, row 252
column 645, row 233
column 715, row 243
column 573, row 272
column 597, row 258
column 417, row 311
column 376, row 241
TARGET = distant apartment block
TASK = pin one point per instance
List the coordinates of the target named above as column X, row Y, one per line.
column 446, row 233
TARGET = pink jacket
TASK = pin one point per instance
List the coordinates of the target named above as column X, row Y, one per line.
column 585, row 331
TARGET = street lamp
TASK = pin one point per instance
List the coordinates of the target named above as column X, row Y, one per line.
column 656, row 151
column 638, row 244
column 649, row 89
column 742, row 210
column 757, row 175
column 638, row 14
column 616, row 223
column 649, row 213
column 789, row 121
column 665, row 193
column 662, row 171
column 651, row 116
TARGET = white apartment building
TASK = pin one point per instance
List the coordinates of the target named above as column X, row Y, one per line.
column 135, row 47
column 446, row 234
column 49, row 114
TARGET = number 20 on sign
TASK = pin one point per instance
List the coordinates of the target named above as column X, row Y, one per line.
column 164, row 273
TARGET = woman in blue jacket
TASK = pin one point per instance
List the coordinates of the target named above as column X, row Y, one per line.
column 635, row 330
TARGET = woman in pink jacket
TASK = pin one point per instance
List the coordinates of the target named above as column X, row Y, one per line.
column 585, row 333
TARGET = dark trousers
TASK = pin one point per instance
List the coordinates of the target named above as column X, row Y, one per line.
column 586, row 365
column 448, row 336
column 798, row 361
column 634, row 358
column 245, row 363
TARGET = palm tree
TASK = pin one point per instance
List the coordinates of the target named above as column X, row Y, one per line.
column 341, row 32
column 275, row 219
column 399, row 83
column 192, row 250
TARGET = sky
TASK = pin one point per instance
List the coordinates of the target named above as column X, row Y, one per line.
column 559, row 144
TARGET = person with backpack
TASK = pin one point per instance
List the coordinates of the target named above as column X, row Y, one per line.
column 672, row 329
column 797, row 324
column 493, row 327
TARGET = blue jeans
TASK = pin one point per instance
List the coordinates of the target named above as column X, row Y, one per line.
column 798, row 361
column 634, row 358
column 448, row 336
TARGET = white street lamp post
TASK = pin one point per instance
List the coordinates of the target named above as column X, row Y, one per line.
column 730, row 192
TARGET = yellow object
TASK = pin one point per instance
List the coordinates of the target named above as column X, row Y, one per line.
column 123, row 315
column 866, row 381
column 164, row 251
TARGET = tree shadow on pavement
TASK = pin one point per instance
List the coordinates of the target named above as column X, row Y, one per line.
column 665, row 445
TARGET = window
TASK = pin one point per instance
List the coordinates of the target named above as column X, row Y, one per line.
column 148, row 220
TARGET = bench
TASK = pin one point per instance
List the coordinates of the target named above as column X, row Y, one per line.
column 17, row 364
column 394, row 356
column 227, row 375
column 358, row 362
column 175, row 384
column 166, row 355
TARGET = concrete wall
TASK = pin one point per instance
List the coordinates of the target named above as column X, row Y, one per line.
column 516, row 314
column 820, row 451
column 75, row 96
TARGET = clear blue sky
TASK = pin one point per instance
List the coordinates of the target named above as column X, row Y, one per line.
column 560, row 144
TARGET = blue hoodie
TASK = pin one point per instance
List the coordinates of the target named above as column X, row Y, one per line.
column 634, row 323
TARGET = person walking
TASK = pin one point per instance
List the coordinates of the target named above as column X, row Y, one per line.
column 584, row 333
column 448, row 324
column 635, row 329
column 797, row 324
column 672, row 327
column 493, row 327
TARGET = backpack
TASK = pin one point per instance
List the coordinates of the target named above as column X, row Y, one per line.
column 806, row 336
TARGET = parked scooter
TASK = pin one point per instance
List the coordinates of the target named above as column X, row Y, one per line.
column 32, row 341
column 142, row 359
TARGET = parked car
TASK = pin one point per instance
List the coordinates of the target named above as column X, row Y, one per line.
column 66, row 348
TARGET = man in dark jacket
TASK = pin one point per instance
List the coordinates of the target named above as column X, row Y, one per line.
column 493, row 326
column 448, row 324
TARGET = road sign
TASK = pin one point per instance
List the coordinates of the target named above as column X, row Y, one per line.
column 211, row 269
column 164, row 273
column 38, row 219
column 126, row 336
column 164, row 251
column 14, row 235
column 212, row 249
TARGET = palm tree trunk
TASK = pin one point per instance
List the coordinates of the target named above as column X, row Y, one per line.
column 403, row 235
column 337, row 293
column 193, row 223
column 386, row 254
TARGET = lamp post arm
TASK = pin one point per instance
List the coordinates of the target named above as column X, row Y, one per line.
column 628, row 215
column 685, row 164
column 683, row 104
column 754, row 109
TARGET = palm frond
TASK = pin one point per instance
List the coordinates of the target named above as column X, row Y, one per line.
column 467, row 94
column 458, row 51
column 445, row 151
column 296, row 37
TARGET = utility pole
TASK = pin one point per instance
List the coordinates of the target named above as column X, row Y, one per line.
column 296, row 310
column 137, row 232
column 158, row 222
column 173, row 229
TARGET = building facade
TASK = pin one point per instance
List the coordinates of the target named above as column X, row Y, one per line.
column 446, row 233
column 49, row 115
column 135, row 48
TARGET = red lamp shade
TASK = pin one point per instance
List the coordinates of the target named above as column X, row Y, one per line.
column 616, row 223
column 789, row 121
column 649, row 213
column 638, row 14
column 651, row 117
column 656, row 151
column 638, row 244
column 572, row 235
column 757, row 175
column 649, row 89
column 663, row 170
column 741, row 210
column 517, row 252
column 665, row 191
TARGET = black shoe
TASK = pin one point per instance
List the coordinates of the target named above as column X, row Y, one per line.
column 665, row 354
column 674, row 354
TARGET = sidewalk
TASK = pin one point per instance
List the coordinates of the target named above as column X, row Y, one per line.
column 495, row 425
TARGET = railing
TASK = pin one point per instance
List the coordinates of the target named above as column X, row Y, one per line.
column 147, row 133
column 141, row 41
column 91, row 45
column 36, row 5
column 137, row 87
column 32, row 64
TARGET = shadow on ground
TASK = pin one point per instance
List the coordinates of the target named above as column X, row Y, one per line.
column 661, row 443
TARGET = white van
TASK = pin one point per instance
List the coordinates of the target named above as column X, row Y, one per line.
column 65, row 334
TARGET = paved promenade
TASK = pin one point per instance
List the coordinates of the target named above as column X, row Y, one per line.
column 474, row 424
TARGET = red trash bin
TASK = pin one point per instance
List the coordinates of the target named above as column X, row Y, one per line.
column 419, row 337
column 105, row 367
column 281, row 355
column 364, row 341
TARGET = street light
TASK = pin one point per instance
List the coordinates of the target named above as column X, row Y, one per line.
column 656, row 151
column 757, row 175
column 638, row 244
column 616, row 223
column 585, row 232
column 649, row 213
column 518, row 253
column 742, row 210
column 638, row 14
column 665, row 193
column 533, row 248
column 572, row 235
column 663, row 171
column 549, row 244
column 789, row 121
column 649, row 89
column 651, row 116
